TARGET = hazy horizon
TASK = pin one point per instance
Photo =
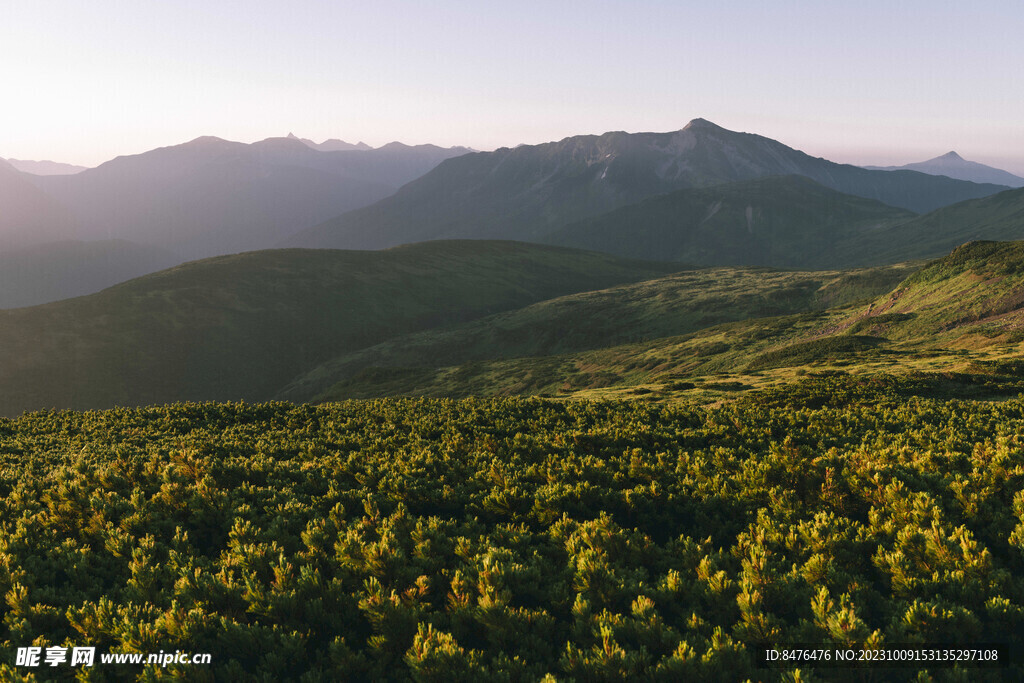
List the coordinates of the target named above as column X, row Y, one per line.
column 855, row 157
column 871, row 84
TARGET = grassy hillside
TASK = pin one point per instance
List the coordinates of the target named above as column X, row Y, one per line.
column 613, row 371
column 243, row 326
column 788, row 221
column 977, row 290
column 677, row 304
column 961, row 314
column 791, row 222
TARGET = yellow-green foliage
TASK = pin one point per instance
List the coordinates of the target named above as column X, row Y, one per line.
column 516, row 539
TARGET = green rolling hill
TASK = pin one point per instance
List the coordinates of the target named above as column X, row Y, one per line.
column 243, row 326
column 978, row 289
column 962, row 314
column 677, row 304
column 790, row 222
column 481, row 317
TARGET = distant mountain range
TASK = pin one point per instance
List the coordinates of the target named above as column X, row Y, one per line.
column 212, row 196
column 532, row 190
column 952, row 165
column 65, row 235
column 45, row 167
column 335, row 145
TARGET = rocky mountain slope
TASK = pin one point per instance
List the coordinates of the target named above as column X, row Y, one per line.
column 528, row 191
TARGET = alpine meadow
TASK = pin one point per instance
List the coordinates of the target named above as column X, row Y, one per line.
column 523, row 396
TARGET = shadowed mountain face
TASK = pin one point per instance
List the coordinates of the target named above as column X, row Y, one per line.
column 212, row 196
column 529, row 191
column 28, row 214
column 790, row 222
column 952, row 165
column 243, row 326
column 60, row 270
column 784, row 221
column 997, row 217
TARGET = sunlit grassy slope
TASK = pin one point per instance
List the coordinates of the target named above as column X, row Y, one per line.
column 960, row 314
column 683, row 303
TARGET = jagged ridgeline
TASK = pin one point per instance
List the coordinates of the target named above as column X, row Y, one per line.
column 521, row 539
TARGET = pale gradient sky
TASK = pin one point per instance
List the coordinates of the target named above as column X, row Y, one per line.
column 884, row 82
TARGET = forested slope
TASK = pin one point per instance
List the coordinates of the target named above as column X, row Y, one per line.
column 516, row 539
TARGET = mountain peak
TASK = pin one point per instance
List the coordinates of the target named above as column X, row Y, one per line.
column 206, row 141
column 290, row 142
column 702, row 124
column 952, row 165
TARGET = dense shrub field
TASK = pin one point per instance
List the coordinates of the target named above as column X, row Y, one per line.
column 413, row 539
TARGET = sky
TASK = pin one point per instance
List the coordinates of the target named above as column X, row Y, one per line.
column 866, row 82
